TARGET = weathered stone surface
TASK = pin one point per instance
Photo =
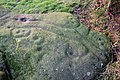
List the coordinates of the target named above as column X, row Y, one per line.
column 53, row 46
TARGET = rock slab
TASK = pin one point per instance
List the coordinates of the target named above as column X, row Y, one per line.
column 52, row 46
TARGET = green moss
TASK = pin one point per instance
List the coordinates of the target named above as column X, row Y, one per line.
column 39, row 6
column 100, row 12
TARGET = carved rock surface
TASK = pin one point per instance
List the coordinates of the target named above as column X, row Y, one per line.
column 53, row 46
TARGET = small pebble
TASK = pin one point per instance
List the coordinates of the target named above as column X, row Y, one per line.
column 101, row 64
column 56, row 69
column 88, row 73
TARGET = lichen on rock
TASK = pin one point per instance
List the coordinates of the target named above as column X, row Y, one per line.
column 52, row 46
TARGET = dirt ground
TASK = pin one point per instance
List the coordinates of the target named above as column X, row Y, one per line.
column 104, row 16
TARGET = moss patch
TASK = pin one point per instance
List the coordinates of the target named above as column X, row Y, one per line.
column 40, row 6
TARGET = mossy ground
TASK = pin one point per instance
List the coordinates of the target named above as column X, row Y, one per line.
column 39, row 6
